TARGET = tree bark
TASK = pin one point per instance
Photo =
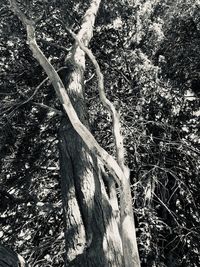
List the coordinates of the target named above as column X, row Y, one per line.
column 92, row 234
column 91, row 230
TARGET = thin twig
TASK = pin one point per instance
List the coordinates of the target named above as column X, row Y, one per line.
column 50, row 108
column 30, row 98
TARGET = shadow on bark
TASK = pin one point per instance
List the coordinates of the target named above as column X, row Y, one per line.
column 92, row 236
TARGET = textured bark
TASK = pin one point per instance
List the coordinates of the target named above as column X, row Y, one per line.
column 92, row 236
column 127, row 225
column 91, row 230
column 9, row 258
column 89, row 218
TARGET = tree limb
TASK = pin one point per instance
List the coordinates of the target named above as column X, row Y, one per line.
column 131, row 257
column 58, row 85
column 130, row 249
column 106, row 102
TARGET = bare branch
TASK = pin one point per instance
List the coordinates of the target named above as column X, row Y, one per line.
column 29, row 99
column 89, row 79
column 32, row 96
column 49, row 108
column 14, row 7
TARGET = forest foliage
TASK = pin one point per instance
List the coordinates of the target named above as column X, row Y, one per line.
column 149, row 53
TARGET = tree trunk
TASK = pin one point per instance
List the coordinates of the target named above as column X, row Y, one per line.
column 91, row 231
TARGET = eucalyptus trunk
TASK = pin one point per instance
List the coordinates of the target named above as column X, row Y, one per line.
column 91, row 231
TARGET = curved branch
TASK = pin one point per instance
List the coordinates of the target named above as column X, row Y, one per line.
column 107, row 104
column 58, row 85
column 127, row 224
column 131, row 257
